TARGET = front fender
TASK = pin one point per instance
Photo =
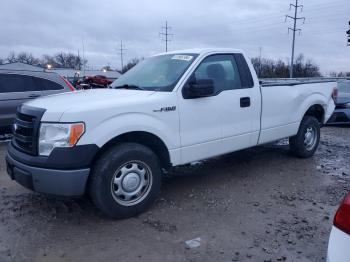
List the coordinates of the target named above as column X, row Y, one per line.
column 130, row 122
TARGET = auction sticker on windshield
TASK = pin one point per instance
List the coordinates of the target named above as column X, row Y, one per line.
column 182, row 57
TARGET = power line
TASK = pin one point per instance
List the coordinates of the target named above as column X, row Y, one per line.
column 165, row 33
column 259, row 27
column 333, row 32
column 294, row 29
column 121, row 53
column 326, row 6
column 272, row 16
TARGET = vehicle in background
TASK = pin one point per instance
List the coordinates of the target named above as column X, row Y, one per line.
column 97, row 81
column 341, row 113
column 17, row 86
column 169, row 110
column 339, row 240
column 80, row 85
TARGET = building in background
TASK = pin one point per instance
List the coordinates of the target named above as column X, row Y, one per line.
column 70, row 74
column 20, row 66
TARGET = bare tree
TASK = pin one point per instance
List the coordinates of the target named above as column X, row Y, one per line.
column 131, row 64
column 341, row 74
column 269, row 68
column 23, row 57
column 306, row 68
column 61, row 60
column 49, row 60
column 27, row 58
column 64, row 60
column 11, row 58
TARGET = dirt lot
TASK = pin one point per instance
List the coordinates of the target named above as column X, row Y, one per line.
column 260, row 204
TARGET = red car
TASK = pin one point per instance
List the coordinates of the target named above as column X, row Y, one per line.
column 98, row 80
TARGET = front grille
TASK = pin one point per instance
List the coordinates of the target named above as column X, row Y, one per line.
column 25, row 129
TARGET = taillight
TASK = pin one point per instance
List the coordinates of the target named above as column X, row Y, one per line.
column 335, row 94
column 68, row 83
column 342, row 217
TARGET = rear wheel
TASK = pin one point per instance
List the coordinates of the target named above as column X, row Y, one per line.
column 126, row 180
column 305, row 142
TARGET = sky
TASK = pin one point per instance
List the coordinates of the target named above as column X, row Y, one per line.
column 47, row 27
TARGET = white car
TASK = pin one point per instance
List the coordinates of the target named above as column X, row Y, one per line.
column 169, row 110
column 339, row 240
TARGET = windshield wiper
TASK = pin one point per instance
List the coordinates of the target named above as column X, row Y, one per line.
column 126, row 86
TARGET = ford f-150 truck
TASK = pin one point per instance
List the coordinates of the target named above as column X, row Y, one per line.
column 171, row 109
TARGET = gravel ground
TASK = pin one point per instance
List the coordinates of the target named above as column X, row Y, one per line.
column 260, row 204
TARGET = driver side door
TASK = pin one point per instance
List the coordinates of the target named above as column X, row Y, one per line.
column 219, row 122
column 200, row 123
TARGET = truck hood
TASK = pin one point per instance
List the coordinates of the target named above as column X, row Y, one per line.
column 56, row 105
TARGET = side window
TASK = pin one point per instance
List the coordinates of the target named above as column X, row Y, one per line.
column 10, row 83
column 222, row 69
column 46, row 85
column 244, row 71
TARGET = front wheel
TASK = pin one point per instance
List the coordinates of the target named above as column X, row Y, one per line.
column 126, row 180
column 305, row 142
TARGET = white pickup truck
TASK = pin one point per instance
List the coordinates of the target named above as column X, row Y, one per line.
column 169, row 110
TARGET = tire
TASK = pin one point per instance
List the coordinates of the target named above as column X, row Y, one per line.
column 305, row 142
column 136, row 174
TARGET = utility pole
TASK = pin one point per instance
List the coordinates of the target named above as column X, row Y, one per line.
column 165, row 33
column 121, row 52
column 294, row 29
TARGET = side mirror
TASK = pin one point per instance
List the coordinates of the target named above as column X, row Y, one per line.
column 199, row 88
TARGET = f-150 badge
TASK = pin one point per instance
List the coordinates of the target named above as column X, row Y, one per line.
column 165, row 109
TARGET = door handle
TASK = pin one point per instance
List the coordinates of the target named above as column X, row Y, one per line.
column 245, row 101
column 33, row 96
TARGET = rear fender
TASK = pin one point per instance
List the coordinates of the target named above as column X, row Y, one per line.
column 315, row 99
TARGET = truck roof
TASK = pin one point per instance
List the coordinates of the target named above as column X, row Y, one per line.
column 204, row 51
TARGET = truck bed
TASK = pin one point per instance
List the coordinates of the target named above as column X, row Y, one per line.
column 285, row 102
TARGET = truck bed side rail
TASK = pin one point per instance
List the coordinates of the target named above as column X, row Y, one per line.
column 299, row 81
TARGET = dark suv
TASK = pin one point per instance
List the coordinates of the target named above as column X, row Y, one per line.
column 19, row 86
column 341, row 113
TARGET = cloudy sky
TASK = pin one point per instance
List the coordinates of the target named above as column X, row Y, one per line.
column 47, row 27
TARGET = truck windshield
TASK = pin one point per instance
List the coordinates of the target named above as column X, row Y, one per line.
column 157, row 73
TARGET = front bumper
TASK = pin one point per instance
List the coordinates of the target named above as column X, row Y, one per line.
column 50, row 181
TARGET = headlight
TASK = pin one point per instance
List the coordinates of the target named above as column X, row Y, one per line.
column 347, row 105
column 58, row 135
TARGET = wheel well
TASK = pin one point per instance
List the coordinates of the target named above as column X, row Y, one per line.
column 144, row 138
column 316, row 111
